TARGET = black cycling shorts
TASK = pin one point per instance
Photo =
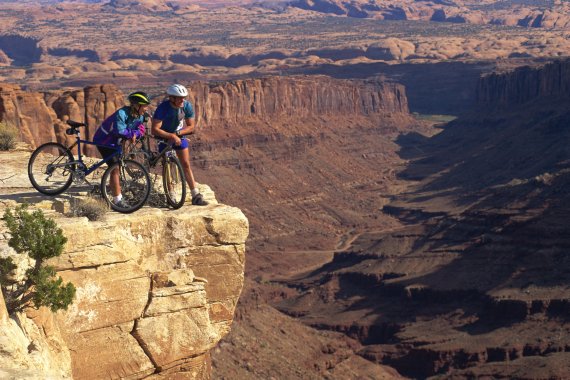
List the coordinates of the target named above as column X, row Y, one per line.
column 106, row 152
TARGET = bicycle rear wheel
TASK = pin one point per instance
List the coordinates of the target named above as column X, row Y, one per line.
column 49, row 168
column 134, row 185
column 174, row 182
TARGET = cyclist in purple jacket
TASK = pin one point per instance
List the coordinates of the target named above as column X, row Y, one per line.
column 127, row 123
column 172, row 119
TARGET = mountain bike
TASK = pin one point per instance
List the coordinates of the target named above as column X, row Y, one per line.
column 52, row 168
column 170, row 170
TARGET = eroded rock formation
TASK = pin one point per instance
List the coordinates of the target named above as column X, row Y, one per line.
column 235, row 103
column 524, row 84
column 472, row 12
column 156, row 291
column 475, row 281
column 41, row 117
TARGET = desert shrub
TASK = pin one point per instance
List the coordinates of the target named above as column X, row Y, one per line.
column 40, row 238
column 93, row 209
column 8, row 135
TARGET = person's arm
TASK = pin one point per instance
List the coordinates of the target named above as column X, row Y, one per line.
column 189, row 119
column 123, row 129
column 189, row 128
column 158, row 132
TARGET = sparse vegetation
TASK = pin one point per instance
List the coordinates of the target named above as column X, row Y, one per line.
column 435, row 119
column 38, row 237
column 8, row 136
column 93, row 209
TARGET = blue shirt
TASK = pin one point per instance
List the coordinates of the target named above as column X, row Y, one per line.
column 173, row 118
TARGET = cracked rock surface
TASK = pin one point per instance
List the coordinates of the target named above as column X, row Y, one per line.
column 156, row 289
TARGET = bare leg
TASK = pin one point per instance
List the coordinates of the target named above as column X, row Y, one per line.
column 115, row 183
column 184, row 157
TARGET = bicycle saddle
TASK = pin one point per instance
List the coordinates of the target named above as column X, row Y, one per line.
column 75, row 124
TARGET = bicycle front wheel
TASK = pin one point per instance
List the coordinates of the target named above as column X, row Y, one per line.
column 174, row 182
column 130, row 179
column 49, row 168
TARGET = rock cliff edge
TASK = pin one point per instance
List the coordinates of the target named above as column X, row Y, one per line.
column 156, row 291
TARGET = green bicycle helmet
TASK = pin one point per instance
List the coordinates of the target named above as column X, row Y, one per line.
column 139, row 97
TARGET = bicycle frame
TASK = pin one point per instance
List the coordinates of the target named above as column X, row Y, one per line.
column 152, row 161
column 88, row 170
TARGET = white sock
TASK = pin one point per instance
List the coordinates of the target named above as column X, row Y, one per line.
column 118, row 198
column 195, row 191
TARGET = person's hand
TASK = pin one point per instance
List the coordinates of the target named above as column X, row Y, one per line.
column 134, row 139
column 175, row 140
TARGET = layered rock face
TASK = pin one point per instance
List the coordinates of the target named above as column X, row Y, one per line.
column 302, row 142
column 156, row 291
column 41, row 117
column 275, row 98
column 524, row 84
column 139, row 304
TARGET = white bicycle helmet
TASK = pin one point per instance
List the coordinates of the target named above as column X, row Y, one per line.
column 177, row 90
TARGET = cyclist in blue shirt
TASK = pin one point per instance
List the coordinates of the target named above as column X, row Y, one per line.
column 127, row 123
column 172, row 119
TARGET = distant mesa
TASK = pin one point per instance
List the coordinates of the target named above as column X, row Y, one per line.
column 153, row 5
column 469, row 11
column 90, row 55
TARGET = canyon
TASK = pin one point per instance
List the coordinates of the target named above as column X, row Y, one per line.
column 399, row 170
column 247, row 129
column 404, row 248
column 476, row 281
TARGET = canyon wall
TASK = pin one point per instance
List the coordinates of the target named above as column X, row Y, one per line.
column 524, row 84
column 41, row 117
column 300, row 97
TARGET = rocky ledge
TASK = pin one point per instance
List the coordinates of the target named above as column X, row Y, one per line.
column 156, row 290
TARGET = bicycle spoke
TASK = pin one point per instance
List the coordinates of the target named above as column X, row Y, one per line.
column 134, row 185
column 49, row 168
column 174, row 182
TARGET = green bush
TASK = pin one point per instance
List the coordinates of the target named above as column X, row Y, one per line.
column 8, row 136
column 40, row 238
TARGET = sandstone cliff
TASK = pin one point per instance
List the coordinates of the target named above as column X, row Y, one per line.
column 272, row 99
column 220, row 107
column 41, row 117
column 156, row 291
column 525, row 84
